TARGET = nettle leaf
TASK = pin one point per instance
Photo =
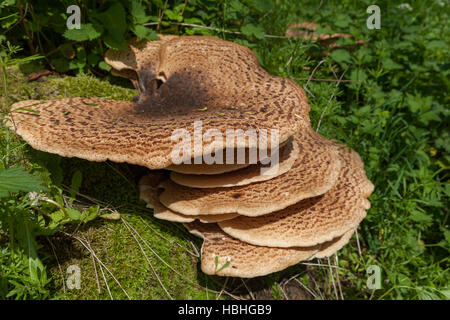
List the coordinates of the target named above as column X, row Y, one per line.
column 145, row 33
column 73, row 214
column 342, row 21
column 77, row 179
column 173, row 15
column 90, row 214
column 420, row 217
column 116, row 42
column 252, row 30
column 390, row 64
column 104, row 66
column 426, row 117
column 17, row 179
column 115, row 24
column 137, row 11
column 86, row 32
column 341, row 55
column 436, row 45
column 262, row 6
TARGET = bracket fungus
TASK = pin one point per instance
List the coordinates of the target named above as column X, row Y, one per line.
column 257, row 216
column 184, row 80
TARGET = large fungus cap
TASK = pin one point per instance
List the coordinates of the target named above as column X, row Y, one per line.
column 224, row 256
column 215, row 82
column 313, row 220
column 314, row 172
column 149, row 192
column 251, row 174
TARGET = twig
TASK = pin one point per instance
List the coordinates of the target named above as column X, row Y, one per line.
column 59, row 265
column 171, row 241
column 161, row 14
column 329, row 101
column 282, row 290
column 332, row 279
column 316, row 285
column 317, row 264
column 357, row 242
column 178, row 273
column 98, row 260
column 25, row 26
column 306, row 288
column 106, row 282
column 211, row 28
column 314, row 71
column 146, row 257
column 99, row 290
column 101, row 270
column 326, row 80
column 223, row 288
column 337, row 276
column 249, row 291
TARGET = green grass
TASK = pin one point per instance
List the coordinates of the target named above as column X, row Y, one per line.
column 392, row 109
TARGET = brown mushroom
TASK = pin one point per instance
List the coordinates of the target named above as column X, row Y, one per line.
column 313, row 173
column 224, row 256
column 314, row 220
column 205, row 79
column 149, row 192
column 251, row 174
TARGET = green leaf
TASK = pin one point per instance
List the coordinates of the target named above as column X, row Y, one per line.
column 224, row 266
column 90, row 214
column 342, row 21
column 104, row 66
column 252, row 30
column 421, row 217
column 115, row 24
column 262, row 6
column 429, row 116
column 390, row 64
column 137, row 11
column 111, row 216
column 145, row 33
column 172, row 15
column 57, row 216
column 445, row 293
column 17, row 179
column 436, row 45
column 73, row 214
column 77, row 178
column 341, row 55
column 86, row 32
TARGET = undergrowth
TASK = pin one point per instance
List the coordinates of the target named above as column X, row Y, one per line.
column 391, row 107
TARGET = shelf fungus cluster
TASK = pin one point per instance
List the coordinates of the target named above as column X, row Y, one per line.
column 230, row 149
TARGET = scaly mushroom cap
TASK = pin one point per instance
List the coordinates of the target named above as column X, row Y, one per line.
column 207, row 169
column 314, row 172
column 149, row 192
column 216, row 168
column 244, row 260
column 327, row 249
column 205, row 79
column 251, row 174
column 313, row 220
